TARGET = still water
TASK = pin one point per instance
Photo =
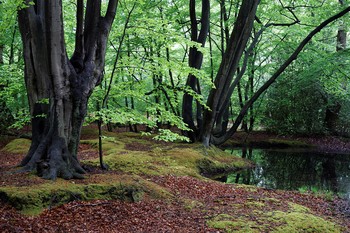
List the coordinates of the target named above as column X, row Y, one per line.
column 295, row 170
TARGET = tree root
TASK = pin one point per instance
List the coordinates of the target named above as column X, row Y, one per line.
column 53, row 160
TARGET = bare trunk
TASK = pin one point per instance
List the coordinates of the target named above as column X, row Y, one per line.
column 273, row 78
column 59, row 88
column 219, row 97
column 195, row 61
column 1, row 54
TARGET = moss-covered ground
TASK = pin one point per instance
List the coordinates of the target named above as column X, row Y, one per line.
column 172, row 175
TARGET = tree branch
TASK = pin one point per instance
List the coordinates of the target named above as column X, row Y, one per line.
column 111, row 11
column 78, row 55
column 280, row 70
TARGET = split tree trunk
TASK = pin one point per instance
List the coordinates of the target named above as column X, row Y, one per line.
column 223, row 81
column 59, row 88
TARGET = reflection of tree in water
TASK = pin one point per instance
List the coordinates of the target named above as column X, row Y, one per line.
column 329, row 176
column 288, row 170
column 295, row 170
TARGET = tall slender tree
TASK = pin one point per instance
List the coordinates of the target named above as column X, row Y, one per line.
column 58, row 87
column 195, row 61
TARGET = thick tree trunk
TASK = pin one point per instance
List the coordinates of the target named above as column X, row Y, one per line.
column 59, row 88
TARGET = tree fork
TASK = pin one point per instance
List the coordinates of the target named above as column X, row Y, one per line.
column 59, row 88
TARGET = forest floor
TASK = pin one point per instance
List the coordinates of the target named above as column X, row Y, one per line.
column 176, row 197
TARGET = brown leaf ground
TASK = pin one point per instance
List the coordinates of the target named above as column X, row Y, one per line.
column 196, row 205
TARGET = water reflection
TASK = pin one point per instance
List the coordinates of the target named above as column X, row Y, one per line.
column 295, row 170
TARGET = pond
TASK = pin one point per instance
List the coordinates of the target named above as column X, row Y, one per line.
column 290, row 169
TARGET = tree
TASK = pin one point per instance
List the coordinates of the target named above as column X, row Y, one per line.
column 219, row 96
column 58, row 87
column 218, row 99
column 195, row 60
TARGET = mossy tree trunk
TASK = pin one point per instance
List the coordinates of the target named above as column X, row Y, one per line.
column 58, row 87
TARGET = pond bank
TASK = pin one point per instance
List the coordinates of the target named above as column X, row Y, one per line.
column 262, row 139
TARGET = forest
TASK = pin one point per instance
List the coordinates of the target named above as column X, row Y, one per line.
column 128, row 104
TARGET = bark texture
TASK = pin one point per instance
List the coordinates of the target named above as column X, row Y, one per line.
column 195, row 61
column 58, row 87
column 223, row 81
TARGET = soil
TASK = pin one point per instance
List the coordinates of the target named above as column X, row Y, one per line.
column 195, row 203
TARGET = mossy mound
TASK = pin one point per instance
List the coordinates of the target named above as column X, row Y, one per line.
column 128, row 155
column 217, row 162
column 296, row 219
column 175, row 159
column 17, row 146
column 33, row 199
column 229, row 223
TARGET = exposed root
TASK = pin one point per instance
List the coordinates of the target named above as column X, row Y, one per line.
column 53, row 161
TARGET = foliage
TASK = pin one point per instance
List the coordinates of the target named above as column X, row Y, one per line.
column 147, row 66
column 168, row 136
column 298, row 102
column 13, row 97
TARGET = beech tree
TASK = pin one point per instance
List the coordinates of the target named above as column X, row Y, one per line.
column 213, row 128
column 58, row 87
column 195, row 60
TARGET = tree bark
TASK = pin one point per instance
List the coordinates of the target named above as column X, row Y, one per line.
column 1, row 54
column 59, row 88
column 237, row 43
column 195, row 61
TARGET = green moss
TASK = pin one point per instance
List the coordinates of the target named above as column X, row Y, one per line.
column 108, row 146
column 32, row 200
column 218, row 162
column 302, row 222
column 255, row 204
column 229, row 224
column 300, row 219
column 17, row 146
column 298, row 208
column 191, row 161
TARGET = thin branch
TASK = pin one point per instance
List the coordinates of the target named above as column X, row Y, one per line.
column 104, row 103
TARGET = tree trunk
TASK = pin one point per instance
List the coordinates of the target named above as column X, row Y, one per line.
column 218, row 97
column 1, row 54
column 58, row 88
column 195, row 61
column 272, row 79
